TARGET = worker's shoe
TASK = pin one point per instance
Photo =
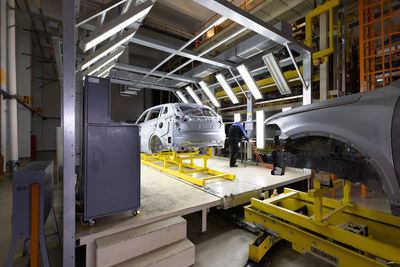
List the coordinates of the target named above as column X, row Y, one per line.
column 234, row 165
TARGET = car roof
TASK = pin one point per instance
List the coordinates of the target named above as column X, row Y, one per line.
column 177, row 104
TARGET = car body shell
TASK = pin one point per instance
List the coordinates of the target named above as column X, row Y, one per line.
column 368, row 122
column 181, row 127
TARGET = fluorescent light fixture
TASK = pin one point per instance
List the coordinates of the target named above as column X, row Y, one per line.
column 276, row 73
column 220, row 20
column 104, row 74
column 101, row 63
column 105, row 70
column 236, row 117
column 209, row 94
column 227, row 88
column 260, row 127
column 182, row 97
column 106, row 49
column 248, row 79
column 193, row 95
column 116, row 25
column 128, row 92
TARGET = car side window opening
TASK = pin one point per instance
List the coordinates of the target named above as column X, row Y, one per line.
column 154, row 114
column 165, row 111
column 142, row 118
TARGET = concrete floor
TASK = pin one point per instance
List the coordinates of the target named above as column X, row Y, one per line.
column 224, row 243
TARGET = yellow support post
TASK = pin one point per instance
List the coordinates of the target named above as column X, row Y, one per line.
column 347, row 193
column 327, row 7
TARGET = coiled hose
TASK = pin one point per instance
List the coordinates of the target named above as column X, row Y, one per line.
column 268, row 166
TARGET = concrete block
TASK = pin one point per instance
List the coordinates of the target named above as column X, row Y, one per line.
column 122, row 246
column 179, row 254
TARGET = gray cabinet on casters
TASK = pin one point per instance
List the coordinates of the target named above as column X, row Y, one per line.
column 111, row 156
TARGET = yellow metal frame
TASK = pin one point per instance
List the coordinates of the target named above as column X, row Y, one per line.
column 181, row 165
column 257, row 252
column 327, row 7
column 319, row 231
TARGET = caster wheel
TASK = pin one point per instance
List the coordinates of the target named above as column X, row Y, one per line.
column 89, row 222
column 135, row 212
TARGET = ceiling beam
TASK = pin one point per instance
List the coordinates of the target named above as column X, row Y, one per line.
column 130, row 76
column 142, row 85
column 169, row 48
column 137, row 69
column 91, row 15
column 238, row 15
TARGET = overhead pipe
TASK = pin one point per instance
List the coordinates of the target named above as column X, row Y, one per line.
column 12, row 84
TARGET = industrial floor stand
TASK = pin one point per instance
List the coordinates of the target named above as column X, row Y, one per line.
column 337, row 231
column 181, row 165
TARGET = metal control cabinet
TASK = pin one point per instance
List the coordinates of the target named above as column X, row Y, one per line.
column 111, row 156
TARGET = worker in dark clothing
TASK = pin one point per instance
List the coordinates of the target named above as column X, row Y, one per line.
column 235, row 135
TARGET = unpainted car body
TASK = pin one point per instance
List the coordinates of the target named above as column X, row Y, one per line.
column 178, row 126
column 356, row 137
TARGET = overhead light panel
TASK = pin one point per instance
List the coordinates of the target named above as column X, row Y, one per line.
column 276, row 73
column 182, row 97
column 106, row 49
column 116, row 25
column 101, row 63
column 105, row 70
column 227, row 88
column 193, row 95
column 260, row 129
column 209, row 94
column 105, row 73
column 248, row 79
column 220, row 21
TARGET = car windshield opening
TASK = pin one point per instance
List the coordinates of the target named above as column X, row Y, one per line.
column 196, row 111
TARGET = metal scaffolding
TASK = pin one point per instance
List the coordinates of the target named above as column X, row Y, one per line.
column 379, row 51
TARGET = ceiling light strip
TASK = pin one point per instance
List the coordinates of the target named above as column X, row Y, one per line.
column 114, row 26
column 193, row 95
column 227, row 88
column 248, row 79
column 209, row 94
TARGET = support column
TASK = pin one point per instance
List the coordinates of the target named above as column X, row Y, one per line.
column 12, row 85
column 68, row 124
column 3, row 80
column 249, row 119
column 323, row 67
column 307, row 75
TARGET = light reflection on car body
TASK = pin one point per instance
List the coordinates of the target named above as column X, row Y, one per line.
column 177, row 126
column 355, row 137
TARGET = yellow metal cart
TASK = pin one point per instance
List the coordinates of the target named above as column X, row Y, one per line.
column 338, row 231
column 182, row 165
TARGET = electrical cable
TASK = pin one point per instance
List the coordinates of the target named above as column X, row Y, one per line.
column 268, row 166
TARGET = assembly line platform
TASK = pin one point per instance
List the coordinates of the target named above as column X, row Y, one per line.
column 164, row 196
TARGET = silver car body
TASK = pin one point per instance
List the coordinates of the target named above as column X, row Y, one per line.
column 180, row 127
column 366, row 122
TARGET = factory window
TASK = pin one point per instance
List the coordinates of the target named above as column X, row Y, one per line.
column 154, row 114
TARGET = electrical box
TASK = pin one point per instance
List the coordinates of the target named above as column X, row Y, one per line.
column 111, row 156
